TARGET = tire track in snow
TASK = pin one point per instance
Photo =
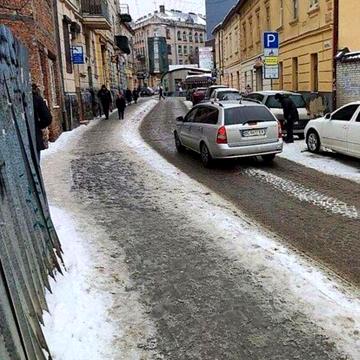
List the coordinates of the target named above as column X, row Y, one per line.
column 305, row 194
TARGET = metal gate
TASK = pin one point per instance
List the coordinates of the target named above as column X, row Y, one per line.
column 29, row 247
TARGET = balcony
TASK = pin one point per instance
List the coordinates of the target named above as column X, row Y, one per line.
column 95, row 14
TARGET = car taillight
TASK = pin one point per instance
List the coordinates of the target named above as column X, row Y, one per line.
column 280, row 135
column 221, row 136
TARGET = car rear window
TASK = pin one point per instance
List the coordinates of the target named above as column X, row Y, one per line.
column 242, row 115
column 298, row 100
column 230, row 95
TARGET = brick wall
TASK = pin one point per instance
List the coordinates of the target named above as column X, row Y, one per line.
column 347, row 82
column 33, row 23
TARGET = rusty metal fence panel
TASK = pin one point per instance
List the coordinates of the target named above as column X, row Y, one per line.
column 30, row 250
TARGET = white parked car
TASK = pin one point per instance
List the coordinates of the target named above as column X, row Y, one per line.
column 227, row 130
column 226, row 94
column 338, row 131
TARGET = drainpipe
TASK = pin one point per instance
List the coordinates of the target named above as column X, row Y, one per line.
column 335, row 50
column 60, row 64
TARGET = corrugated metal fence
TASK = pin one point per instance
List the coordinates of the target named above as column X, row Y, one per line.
column 29, row 246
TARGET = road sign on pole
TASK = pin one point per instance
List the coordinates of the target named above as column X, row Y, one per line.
column 271, row 53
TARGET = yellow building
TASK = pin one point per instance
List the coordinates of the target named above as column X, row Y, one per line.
column 308, row 30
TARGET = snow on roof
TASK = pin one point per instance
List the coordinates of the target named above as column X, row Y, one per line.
column 176, row 15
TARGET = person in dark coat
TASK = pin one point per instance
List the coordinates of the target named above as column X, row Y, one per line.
column 135, row 95
column 42, row 118
column 161, row 93
column 121, row 105
column 104, row 96
column 291, row 115
column 128, row 95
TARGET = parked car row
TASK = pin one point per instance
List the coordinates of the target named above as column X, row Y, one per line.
column 224, row 124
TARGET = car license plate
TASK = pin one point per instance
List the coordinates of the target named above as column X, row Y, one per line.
column 253, row 132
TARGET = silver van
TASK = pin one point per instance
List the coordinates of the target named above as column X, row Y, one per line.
column 227, row 130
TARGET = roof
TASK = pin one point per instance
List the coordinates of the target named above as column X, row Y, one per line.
column 175, row 15
column 227, row 89
column 229, row 105
column 274, row 92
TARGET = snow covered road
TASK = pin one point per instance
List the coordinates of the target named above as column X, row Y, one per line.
column 175, row 270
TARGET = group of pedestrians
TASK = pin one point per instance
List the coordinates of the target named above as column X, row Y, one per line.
column 123, row 99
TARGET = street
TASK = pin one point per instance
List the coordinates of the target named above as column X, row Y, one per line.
column 203, row 263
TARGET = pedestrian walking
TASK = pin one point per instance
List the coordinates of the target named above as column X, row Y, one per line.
column 247, row 89
column 135, row 95
column 121, row 105
column 291, row 115
column 161, row 95
column 128, row 95
column 42, row 118
column 105, row 98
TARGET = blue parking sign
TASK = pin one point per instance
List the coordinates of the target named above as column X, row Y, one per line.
column 271, row 40
column 77, row 55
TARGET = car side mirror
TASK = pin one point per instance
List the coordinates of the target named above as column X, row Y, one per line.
column 328, row 116
column 180, row 119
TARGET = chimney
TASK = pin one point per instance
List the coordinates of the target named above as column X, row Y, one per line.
column 162, row 9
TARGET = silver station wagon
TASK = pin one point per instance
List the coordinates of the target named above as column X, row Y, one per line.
column 227, row 130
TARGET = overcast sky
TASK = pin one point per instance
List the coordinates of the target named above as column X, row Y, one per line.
column 139, row 8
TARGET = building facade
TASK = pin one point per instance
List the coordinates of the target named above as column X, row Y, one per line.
column 183, row 33
column 310, row 34
column 98, row 27
column 215, row 12
column 32, row 22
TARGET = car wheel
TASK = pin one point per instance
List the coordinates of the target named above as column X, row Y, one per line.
column 206, row 157
column 179, row 146
column 313, row 141
column 268, row 158
column 301, row 136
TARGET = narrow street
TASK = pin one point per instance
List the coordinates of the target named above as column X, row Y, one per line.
column 190, row 276
column 316, row 213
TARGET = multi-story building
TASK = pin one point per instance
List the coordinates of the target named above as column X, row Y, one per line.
column 177, row 37
column 310, row 35
column 32, row 22
column 215, row 12
column 97, row 26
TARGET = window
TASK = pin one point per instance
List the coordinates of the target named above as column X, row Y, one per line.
column 295, row 71
column 281, row 6
column 191, row 115
column 191, row 49
column 314, row 3
column 295, row 9
column 179, row 49
column 201, row 37
column 314, row 72
column 185, row 50
column 258, row 35
column 196, row 37
column 268, row 18
column 169, row 51
column 168, row 36
column 250, row 32
column 184, row 36
column 298, row 100
column 229, row 95
column 345, row 114
column 180, row 62
column 190, row 36
column 207, row 115
column 244, row 32
column 67, row 48
column 242, row 115
column 179, row 35
column 52, row 78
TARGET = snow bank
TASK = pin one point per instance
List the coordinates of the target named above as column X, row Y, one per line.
column 75, row 324
column 298, row 153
